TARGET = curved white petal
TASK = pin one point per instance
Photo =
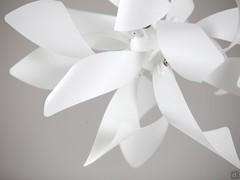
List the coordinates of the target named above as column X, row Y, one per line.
column 113, row 41
column 48, row 24
column 145, row 96
column 174, row 107
column 180, row 10
column 91, row 22
column 236, row 38
column 120, row 125
column 136, row 14
column 226, row 76
column 222, row 25
column 92, row 77
column 220, row 92
column 141, row 145
column 188, row 50
column 172, row 104
column 42, row 68
column 238, row 82
column 222, row 142
column 98, row 30
column 119, row 121
column 115, row 2
column 147, row 138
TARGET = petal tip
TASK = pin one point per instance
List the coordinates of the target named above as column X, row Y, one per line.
column 53, row 105
column 89, row 161
column 46, row 113
column 11, row 71
column 86, row 164
column 14, row 72
column 9, row 17
column 6, row 18
column 48, row 110
column 135, row 165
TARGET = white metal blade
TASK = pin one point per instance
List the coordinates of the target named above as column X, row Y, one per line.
column 42, row 68
column 180, row 11
column 172, row 104
column 49, row 25
column 226, row 76
column 137, row 14
column 188, row 50
column 92, row 77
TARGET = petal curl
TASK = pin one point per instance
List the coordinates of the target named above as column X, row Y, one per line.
column 188, row 50
column 112, row 41
column 137, row 14
column 222, row 25
column 139, row 147
column 147, row 138
column 226, row 76
column 172, row 104
column 92, row 77
column 120, row 126
column 180, row 10
column 119, row 121
column 49, row 25
column 42, row 68
column 145, row 96
column 98, row 30
column 92, row 22
column 236, row 38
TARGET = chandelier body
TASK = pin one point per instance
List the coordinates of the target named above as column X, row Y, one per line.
column 83, row 55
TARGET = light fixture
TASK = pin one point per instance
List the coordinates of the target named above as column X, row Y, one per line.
column 80, row 57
